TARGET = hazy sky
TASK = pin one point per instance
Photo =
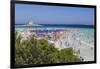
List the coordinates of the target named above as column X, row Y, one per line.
column 42, row 14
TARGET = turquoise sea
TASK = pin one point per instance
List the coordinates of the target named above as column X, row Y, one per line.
column 56, row 26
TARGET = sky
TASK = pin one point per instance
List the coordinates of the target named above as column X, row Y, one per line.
column 43, row 14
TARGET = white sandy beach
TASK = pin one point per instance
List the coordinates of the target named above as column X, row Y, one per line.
column 71, row 40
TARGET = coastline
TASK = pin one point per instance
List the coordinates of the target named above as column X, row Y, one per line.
column 73, row 41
